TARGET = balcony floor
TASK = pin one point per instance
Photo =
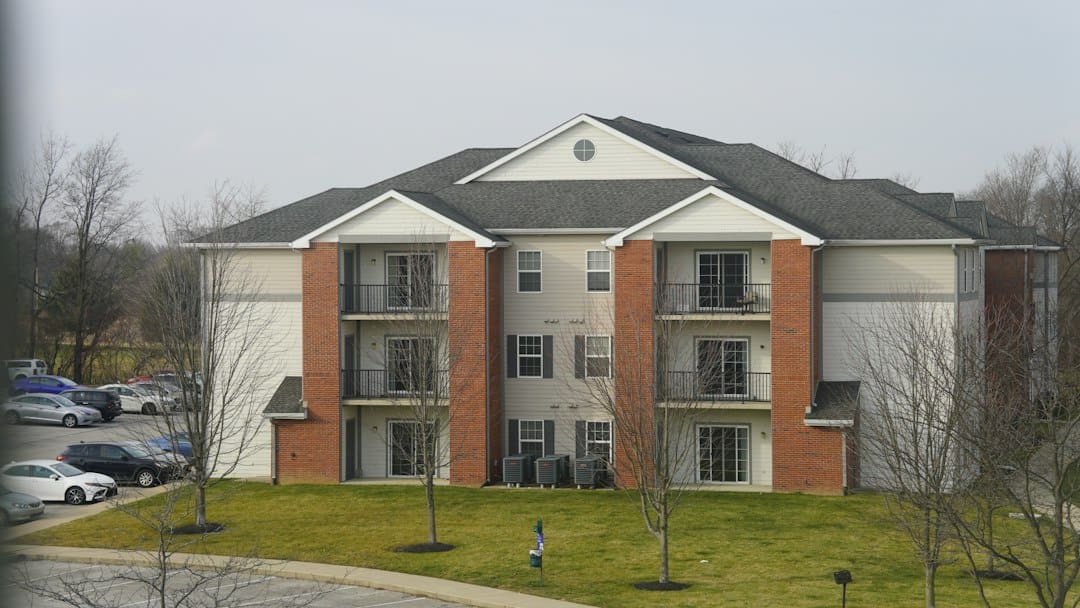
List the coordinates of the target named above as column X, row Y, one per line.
column 394, row 316
column 714, row 316
column 720, row 405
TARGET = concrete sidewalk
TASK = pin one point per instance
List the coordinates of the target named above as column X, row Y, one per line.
column 450, row 591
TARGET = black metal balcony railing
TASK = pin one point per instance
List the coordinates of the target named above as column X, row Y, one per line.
column 393, row 298
column 381, row 384
column 695, row 386
column 686, row 298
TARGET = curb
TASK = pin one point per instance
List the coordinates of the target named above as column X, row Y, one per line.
column 450, row 591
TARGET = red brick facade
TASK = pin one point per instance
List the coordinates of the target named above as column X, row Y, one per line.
column 633, row 352
column 805, row 459
column 474, row 369
column 310, row 450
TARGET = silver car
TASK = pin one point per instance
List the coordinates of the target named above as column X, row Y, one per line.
column 43, row 407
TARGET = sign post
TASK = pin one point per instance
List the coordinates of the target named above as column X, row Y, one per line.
column 536, row 556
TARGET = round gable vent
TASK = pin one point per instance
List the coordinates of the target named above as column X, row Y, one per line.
column 584, row 150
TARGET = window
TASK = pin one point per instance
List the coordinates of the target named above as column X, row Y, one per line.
column 530, row 268
column 411, row 364
column 410, row 280
column 597, row 356
column 406, row 440
column 598, row 438
column 722, row 277
column 598, row 270
column 531, row 437
column 722, row 367
column 724, row 453
column 584, row 150
column 530, row 356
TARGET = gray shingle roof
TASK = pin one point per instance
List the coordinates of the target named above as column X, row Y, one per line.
column 835, row 401
column 287, row 398
column 830, row 209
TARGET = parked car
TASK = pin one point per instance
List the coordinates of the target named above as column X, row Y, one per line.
column 16, row 507
column 160, row 391
column 138, row 400
column 125, row 461
column 42, row 384
column 106, row 402
column 43, row 407
column 23, row 368
column 176, row 443
column 50, row 480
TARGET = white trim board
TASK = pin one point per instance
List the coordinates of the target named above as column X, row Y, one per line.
column 573, row 122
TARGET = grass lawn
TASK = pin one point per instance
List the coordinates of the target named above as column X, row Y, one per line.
column 734, row 549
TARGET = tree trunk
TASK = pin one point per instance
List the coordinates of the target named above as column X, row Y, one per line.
column 429, row 491
column 929, row 573
column 200, row 504
column 662, row 528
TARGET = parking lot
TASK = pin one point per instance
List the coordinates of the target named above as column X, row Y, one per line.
column 37, row 583
column 32, row 441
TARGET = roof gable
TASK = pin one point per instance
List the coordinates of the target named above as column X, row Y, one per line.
column 617, row 156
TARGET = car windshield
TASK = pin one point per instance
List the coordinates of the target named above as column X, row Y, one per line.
column 140, row 390
column 67, row 382
column 64, row 401
column 138, row 450
column 66, row 469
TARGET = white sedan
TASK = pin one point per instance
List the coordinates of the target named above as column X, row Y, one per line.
column 138, row 400
column 51, row 480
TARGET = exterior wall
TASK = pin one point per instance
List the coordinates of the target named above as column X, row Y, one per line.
column 805, row 459
column 713, row 214
column 470, row 352
column 614, row 159
column 366, row 273
column 761, row 444
column 373, row 443
column 682, row 355
column 310, row 450
column 633, row 338
column 563, row 309
column 682, row 259
column 267, row 289
column 392, row 218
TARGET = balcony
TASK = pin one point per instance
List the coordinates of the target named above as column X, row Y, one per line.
column 711, row 299
column 388, row 386
column 695, row 387
column 393, row 301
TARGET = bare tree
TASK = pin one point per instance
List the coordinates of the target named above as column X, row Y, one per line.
column 43, row 183
column 654, row 406
column 203, row 314
column 97, row 216
column 845, row 166
column 906, row 178
column 1010, row 191
column 818, row 161
column 916, row 384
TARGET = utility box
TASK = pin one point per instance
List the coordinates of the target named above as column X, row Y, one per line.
column 589, row 471
column 517, row 469
column 553, row 469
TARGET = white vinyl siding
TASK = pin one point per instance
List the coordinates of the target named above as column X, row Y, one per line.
column 392, row 217
column 887, row 270
column 268, row 272
column 711, row 213
column 614, row 159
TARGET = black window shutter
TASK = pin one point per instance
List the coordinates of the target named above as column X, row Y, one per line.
column 579, row 356
column 513, row 445
column 549, row 437
column 511, row 357
column 579, row 438
column 549, row 344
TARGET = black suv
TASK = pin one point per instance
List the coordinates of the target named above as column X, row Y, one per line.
column 126, row 461
column 106, row 402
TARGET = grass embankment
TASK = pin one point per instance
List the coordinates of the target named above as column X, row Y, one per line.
column 734, row 549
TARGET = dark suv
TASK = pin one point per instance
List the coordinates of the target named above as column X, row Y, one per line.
column 125, row 461
column 106, row 402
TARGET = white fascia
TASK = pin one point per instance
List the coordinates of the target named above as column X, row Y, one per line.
column 304, row 242
column 1023, row 247
column 289, row 416
column 899, row 242
column 806, row 237
column 266, row 245
column 830, row 423
column 555, row 230
column 573, row 122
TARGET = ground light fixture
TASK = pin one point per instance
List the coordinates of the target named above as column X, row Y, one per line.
column 842, row 577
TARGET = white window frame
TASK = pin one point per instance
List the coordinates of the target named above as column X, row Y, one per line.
column 607, row 339
column 393, row 361
column 590, row 271
column 521, row 431
column 747, row 461
column 411, row 266
column 539, row 357
column 746, row 364
column 539, row 271
column 609, row 457
column 390, row 423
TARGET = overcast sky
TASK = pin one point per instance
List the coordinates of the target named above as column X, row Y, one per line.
column 298, row 97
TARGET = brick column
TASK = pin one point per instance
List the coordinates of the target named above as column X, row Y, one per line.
column 310, row 450
column 633, row 354
column 471, row 367
column 805, row 459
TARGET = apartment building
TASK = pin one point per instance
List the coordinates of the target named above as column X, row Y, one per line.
column 545, row 265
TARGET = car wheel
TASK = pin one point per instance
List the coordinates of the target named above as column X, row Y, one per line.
column 11, row 418
column 70, row 421
column 74, row 496
column 145, row 478
column 20, row 376
column 108, row 418
column 149, row 409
